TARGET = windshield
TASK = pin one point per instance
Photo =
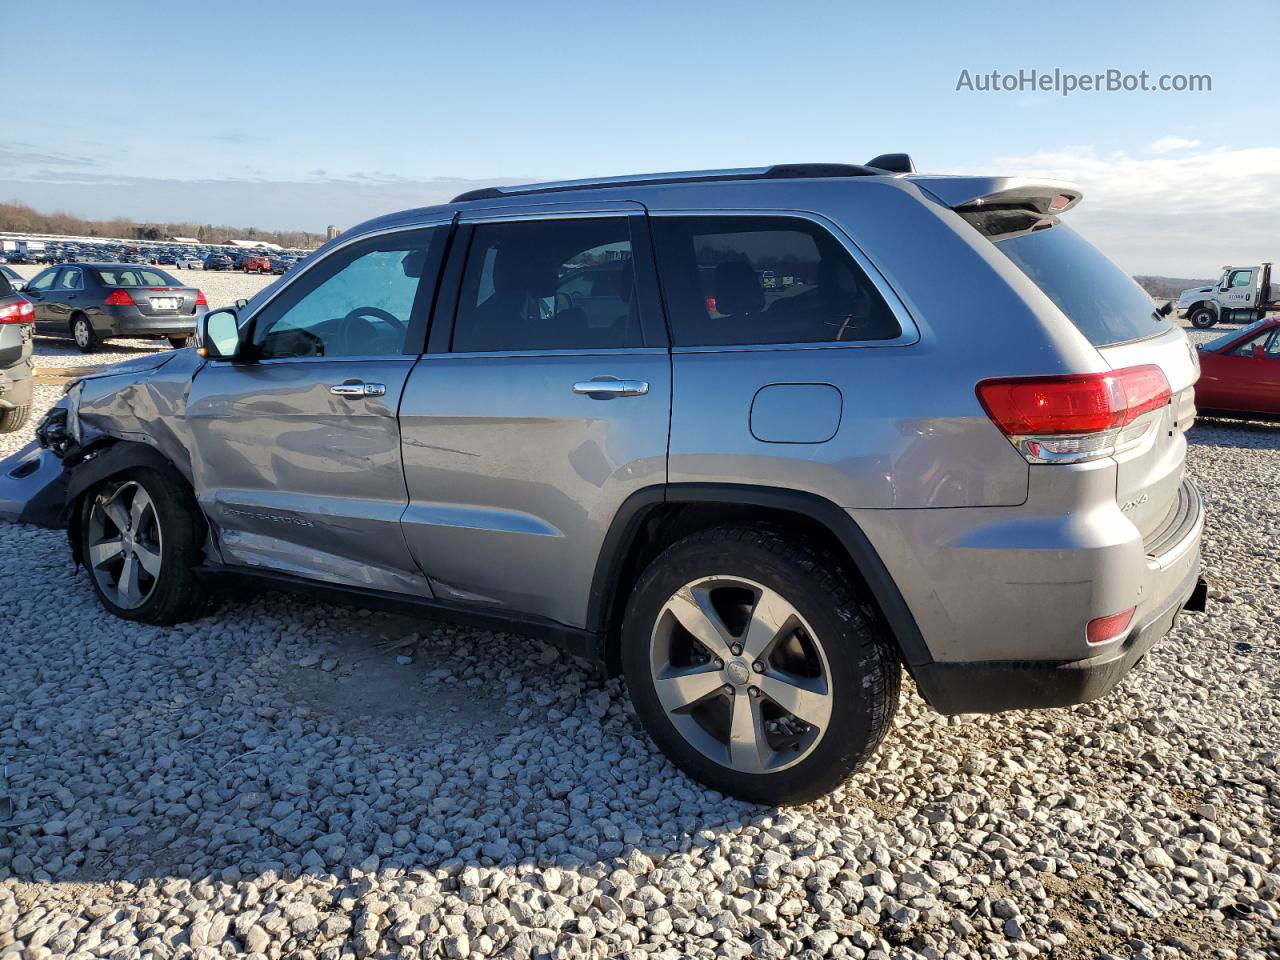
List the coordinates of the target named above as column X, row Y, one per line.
column 1220, row 342
column 1103, row 302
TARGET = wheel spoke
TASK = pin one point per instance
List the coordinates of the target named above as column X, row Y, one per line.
column 149, row 558
column 682, row 688
column 116, row 512
column 127, row 586
column 104, row 550
column 748, row 749
column 805, row 699
column 140, row 508
column 770, row 618
column 694, row 611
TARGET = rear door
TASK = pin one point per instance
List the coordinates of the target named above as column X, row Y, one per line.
column 530, row 420
column 298, row 451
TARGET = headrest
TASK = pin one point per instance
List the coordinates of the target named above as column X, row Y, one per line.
column 738, row 288
column 523, row 275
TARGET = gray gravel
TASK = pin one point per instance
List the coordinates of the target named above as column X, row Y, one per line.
column 294, row 779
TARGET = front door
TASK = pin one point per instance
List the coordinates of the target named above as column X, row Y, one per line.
column 298, row 450
column 532, row 419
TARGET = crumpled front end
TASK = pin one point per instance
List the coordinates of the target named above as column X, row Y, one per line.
column 139, row 402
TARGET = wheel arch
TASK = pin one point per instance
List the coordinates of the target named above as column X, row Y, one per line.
column 109, row 459
column 652, row 519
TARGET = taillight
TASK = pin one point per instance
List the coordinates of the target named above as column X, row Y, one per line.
column 200, row 300
column 22, row 312
column 1072, row 418
column 711, row 305
column 118, row 298
column 1105, row 629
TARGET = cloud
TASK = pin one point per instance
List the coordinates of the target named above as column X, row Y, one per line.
column 1182, row 214
column 1170, row 144
column 16, row 155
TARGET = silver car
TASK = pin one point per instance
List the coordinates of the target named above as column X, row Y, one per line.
column 759, row 439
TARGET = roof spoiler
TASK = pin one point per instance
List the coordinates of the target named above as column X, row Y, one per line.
column 1049, row 197
column 893, row 163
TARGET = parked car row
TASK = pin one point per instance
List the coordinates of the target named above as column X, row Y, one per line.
column 179, row 257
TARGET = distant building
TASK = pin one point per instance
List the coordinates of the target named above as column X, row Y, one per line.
column 254, row 245
column 183, row 240
column 331, row 231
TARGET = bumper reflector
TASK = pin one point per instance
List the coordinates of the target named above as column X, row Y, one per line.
column 1105, row 629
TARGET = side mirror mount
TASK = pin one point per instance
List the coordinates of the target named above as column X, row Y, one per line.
column 241, row 303
column 1166, row 309
column 218, row 335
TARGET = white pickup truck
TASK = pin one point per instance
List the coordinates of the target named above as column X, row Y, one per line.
column 1241, row 295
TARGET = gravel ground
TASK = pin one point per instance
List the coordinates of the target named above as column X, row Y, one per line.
column 289, row 779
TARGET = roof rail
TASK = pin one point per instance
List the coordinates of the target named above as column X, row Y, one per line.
column 780, row 171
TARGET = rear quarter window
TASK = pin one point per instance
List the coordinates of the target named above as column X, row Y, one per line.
column 1101, row 300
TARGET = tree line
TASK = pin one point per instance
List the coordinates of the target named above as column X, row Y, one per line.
column 19, row 218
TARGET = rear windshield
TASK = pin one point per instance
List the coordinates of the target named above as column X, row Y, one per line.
column 1104, row 302
column 136, row 277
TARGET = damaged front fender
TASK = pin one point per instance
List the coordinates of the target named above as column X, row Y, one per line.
column 122, row 416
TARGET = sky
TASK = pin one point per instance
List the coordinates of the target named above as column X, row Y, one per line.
column 298, row 115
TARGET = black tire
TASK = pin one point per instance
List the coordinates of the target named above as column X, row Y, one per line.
column 82, row 332
column 862, row 665
column 179, row 342
column 1202, row 318
column 177, row 594
column 14, row 418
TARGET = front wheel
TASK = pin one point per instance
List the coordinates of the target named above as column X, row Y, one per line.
column 179, row 342
column 755, row 667
column 1203, row 318
column 85, row 336
column 140, row 544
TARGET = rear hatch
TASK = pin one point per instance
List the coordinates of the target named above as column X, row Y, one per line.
column 1121, row 321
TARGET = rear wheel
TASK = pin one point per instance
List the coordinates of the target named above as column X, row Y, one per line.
column 1202, row 318
column 755, row 668
column 140, row 545
column 179, row 342
column 13, row 418
column 83, row 334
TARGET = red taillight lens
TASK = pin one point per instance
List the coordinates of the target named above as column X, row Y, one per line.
column 1082, row 403
column 118, row 298
column 200, row 300
column 1106, row 629
column 22, row 312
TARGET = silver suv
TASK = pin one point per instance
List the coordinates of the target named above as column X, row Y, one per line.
column 756, row 438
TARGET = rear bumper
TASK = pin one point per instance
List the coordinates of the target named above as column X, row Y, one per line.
column 15, row 383
column 996, row 685
column 129, row 323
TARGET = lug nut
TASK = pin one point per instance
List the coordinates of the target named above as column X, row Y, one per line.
column 728, row 688
column 755, row 691
column 758, row 667
column 737, row 649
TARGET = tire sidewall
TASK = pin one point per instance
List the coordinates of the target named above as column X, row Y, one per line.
column 1200, row 315
column 91, row 340
column 833, row 619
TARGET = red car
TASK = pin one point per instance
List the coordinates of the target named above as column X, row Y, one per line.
column 255, row 265
column 1240, row 372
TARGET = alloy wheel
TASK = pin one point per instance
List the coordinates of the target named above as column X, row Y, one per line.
column 124, row 544
column 82, row 333
column 741, row 675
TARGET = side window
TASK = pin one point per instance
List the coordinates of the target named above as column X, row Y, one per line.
column 1263, row 340
column 71, row 279
column 1241, row 278
column 548, row 285
column 358, row 302
column 760, row 280
column 43, row 281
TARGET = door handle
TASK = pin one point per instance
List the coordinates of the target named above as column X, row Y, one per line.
column 606, row 388
column 358, row 389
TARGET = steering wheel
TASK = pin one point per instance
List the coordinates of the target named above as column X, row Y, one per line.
column 348, row 323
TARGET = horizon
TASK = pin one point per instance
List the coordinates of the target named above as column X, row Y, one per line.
column 320, row 120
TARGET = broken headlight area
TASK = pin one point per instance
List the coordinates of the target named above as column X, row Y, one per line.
column 54, row 432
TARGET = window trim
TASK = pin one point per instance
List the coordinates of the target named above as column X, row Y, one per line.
column 419, row 328
column 906, row 321
column 652, row 309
